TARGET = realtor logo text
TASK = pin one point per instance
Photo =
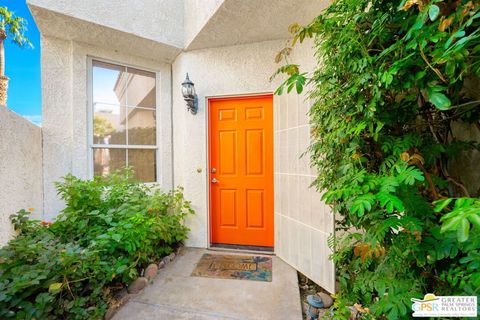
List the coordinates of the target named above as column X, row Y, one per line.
column 444, row 306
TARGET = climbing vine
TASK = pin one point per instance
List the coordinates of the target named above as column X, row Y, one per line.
column 392, row 81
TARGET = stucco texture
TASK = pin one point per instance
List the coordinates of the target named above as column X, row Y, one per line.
column 222, row 71
column 158, row 20
column 197, row 13
column 65, row 116
column 58, row 25
column 237, row 62
column 20, row 169
column 302, row 222
column 237, row 22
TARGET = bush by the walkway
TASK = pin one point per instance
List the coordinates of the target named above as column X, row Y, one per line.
column 69, row 269
column 394, row 81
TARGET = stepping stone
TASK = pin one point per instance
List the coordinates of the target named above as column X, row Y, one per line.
column 151, row 271
column 137, row 285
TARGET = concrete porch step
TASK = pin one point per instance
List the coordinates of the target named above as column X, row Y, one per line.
column 177, row 295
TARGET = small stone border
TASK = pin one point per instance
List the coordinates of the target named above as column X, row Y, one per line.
column 137, row 285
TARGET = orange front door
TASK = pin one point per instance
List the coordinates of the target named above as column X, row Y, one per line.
column 241, row 170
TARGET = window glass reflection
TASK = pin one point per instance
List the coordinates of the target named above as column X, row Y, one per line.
column 141, row 126
column 141, row 88
column 141, row 161
column 108, row 160
column 108, row 124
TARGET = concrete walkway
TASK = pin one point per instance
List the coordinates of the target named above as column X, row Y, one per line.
column 177, row 295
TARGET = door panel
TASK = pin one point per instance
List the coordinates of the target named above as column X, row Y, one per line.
column 241, row 170
column 228, row 205
column 255, row 209
column 254, row 152
column 227, row 152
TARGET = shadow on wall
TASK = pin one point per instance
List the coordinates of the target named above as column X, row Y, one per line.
column 466, row 167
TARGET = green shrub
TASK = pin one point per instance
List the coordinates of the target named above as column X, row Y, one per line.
column 110, row 229
column 392, row 80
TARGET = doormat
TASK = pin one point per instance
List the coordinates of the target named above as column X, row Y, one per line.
column 234, row 267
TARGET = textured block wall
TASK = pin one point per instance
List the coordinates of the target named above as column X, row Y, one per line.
column 20, row 169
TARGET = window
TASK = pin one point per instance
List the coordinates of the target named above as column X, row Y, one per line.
column 124, row 107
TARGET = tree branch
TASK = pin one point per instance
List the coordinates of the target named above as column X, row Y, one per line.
column 439, row 74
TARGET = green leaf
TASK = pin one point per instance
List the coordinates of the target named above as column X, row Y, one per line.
column 55, row 287
column 393, row 314
column 463, row 230
column 441, row 204
column 464, row 202
column 411, row 174
column 475, row 220
column 279, row 90
column 117, row 237
column 390, row 202
column 433, row 12
column 362, row 204
column 120, row 269
column 299, row 87
column 440, row 101
column 457, row 34
column 451, row 224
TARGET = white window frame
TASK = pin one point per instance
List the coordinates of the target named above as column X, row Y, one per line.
column 92, row 146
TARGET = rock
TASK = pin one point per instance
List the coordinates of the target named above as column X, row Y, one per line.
column 322, row 314
column 304, row 306
column 161, row 264
column 303, row 279
column 122, row 296
column 353, row 312
column 326, row 299
column 166, row 260
column 110, row 312
column 137, row 285
column 151, row 271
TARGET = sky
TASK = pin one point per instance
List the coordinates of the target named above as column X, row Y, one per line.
column 23, row 68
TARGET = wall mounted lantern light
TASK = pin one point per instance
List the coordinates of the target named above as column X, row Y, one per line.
column 188, row 91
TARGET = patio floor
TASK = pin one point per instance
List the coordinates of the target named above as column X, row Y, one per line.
column 177, row 295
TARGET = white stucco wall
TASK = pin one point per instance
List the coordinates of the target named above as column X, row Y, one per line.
column 58, row 25
column 223, row 71
column 197, row 14
column 20, row 169
column 65, row 103
column 158, row 20
column 246, row 21
column 302, row 222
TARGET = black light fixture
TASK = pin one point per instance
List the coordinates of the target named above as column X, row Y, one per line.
column 188, row 91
